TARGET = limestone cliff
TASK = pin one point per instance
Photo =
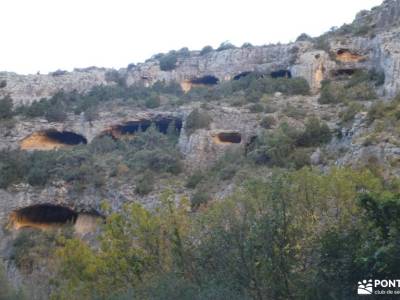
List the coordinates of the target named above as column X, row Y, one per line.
column 372, row 42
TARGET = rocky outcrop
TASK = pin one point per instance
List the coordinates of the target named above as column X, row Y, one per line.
column 24, row 89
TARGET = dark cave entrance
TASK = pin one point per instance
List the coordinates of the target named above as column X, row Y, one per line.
column 343, row 72
column 51, row 139
column 42, row 216
column 242, row 75
column 205, row 80
column 228, row 138
column 66, row 137
column 162, row 124
column 281, row 74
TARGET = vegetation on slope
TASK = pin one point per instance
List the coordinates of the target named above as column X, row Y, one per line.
column 299, row 234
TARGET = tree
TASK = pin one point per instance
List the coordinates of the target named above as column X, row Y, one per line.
column 226, row 46
column 206, row 49
column 315, row 134
column 6, row 107
column 197, row 119
column 168, row 61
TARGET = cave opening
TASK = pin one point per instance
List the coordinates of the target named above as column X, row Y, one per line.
column 51, row 139
column 345, row 55
column 242, row 75
column 281, row 74
column 343, row 72
column 205, row 80
column 42, row 216
column 131, row 127
column 228, row 138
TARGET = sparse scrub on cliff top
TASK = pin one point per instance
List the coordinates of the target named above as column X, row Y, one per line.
column 206, row 49
column 168, row 61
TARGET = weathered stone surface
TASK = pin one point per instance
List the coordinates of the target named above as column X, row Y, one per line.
column 25, row 89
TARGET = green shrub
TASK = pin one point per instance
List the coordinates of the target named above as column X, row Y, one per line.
column 168, row 61
column 315, row 134
column 55, row 114
column 194, row 179
column 275, row 148
column 206, row 49
column 300, row 158
column 294, row 112
column 158, row 160
column 350, row 112
column 6, row 108
column 200, row 197
column 304, row 37
column 153, row 101
column 246, row 45
column 39, row 167
column 268, row 122
column 256, row 108
column 359, row 86
column 13, row 167
column 328, row 93
column 145, row 183
column 30, row 247
column 115, row 76
column 376, row 111
column 226, row 46
column 36, row 109
column 197, row 119
column 7, row 292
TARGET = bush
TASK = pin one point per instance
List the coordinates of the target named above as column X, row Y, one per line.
column 158, row 160
column 13, row 167
column 315, row 134
column 300, row 158
column 3, row 84
column 304, row 37
column 197, row 119
column 268, row 122
column 200, row 197
column 194, row 179
column 101, row 145
column 145, row 183
column 376, row 111
column 6, row 108
column 30, row 247
column 328, row 93
column 256, row 108
column 275, row 148
column 58, row 73
column 226, row 46
column 294, row 112
column 56, row 114
column 115, row 76
column 168, row 61
column 40, row 167
column 247, row 45
column 206, row 49
column 359, row 86
column 350, row 112
column 153, row 101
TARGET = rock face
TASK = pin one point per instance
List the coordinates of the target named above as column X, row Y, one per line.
column 231, row 128
column 24, row 89
column 378, row 50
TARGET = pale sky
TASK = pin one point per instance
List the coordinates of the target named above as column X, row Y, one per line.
column 45, row 35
